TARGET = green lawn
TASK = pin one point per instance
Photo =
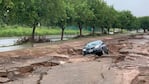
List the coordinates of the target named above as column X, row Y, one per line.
column 27, row 31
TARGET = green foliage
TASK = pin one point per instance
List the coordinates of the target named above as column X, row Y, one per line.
column 62, row 13
column 126, row 19
column 144, row 21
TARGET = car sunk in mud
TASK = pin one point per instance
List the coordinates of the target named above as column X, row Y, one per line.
column 95, row 47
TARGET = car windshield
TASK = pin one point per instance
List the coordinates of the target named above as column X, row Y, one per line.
column 93, row 44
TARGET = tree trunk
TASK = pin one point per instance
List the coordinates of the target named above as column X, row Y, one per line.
column 80, row 28
column 62, row 33
column 121, row 30
column 113, row 30
column 93, row 30
column 137, row 30
column 144, row 30
column 33, row 34
column 102, row 30
column 108, row 30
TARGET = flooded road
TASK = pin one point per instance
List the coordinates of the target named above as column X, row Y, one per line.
column 7, row 43
column 127, row 63
column 10, row 48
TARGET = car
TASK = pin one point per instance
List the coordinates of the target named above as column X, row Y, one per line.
column 95, row 47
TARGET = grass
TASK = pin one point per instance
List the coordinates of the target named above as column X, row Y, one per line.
column 9, row 31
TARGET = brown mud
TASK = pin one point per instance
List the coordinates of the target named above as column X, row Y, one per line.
column 128, row 61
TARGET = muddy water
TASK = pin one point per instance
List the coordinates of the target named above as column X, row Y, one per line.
column 7, row 43
column 10, row 48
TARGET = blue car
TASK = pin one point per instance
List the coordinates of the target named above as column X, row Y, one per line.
column 96, row 47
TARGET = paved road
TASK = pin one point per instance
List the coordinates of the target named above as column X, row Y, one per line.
column 88, row 73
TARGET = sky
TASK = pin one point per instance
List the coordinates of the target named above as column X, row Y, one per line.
column 137, row 7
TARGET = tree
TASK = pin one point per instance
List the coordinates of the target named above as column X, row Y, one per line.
column 82, row 13
column 92, row 13
column 62, row 24
column 62, row 18
column 126, row 19
column 136, row 24
column 110, row 18
column 33, row 12
column 92, row 19
column 144, row 23
column 6, row 10
column 99, row 16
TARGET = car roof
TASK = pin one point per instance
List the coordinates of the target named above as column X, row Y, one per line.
column 94, row 43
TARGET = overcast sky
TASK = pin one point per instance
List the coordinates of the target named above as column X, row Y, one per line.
column 137, row 7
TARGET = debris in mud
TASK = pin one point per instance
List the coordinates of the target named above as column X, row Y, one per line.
column 45, row 64
column 67, row 50
column 119, row 59
column 26, row 69
column 81, row 59
column 102, row 75
column 7, row 76
column 37, row 39
column 138, row 36
column 143, row 77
